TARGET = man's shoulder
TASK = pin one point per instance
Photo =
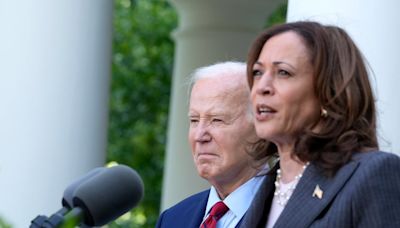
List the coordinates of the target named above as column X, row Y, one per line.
column 195, row 200
column 190, row 211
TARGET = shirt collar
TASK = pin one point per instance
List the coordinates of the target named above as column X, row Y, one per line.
column 239, row 200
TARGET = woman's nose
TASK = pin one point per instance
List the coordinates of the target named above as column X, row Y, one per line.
column 265, row 85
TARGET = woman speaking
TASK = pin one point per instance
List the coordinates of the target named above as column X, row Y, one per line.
column 314, row 107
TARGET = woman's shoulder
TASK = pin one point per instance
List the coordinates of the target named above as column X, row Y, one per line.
column 375, row 156
column 377, row 160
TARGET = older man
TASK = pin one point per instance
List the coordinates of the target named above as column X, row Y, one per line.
column 221, row 136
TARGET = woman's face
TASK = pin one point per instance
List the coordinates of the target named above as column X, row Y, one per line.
column 283, row 98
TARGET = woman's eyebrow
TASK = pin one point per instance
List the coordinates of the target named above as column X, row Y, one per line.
column 258, row 63
column 284, row 63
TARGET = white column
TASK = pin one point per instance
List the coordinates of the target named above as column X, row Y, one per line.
column 54, row 81
column 209, row 31
column 374, row 25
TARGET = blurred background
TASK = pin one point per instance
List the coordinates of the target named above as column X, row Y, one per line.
column 89, row 83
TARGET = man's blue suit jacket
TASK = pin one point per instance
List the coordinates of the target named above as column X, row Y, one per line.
column 186, row 214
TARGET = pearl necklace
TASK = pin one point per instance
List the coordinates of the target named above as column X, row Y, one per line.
column 283, row 197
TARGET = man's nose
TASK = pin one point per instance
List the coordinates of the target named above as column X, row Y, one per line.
column 202, row 132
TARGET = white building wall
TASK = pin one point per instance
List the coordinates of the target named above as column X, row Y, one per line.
column 55, row 61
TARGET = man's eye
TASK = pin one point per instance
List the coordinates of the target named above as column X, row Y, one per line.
column 216, row 120
column 194, row 121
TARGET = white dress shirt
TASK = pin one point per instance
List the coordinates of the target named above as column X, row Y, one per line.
column 238, row 201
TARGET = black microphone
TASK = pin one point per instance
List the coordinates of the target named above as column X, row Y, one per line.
column 70, row 190
column 97, row 198
column 58, row 217
column 108, row 195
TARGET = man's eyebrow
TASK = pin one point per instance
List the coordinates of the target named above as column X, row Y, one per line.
column 190, row 113
column 216, row 114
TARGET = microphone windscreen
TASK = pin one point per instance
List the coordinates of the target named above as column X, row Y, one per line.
column 108, row 195
column 70, row 190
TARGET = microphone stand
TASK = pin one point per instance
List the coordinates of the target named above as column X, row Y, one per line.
column 63, row 218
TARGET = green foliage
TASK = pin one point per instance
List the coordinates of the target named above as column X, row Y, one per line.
column 140, row 90
column 3, row 224
column 278, row 16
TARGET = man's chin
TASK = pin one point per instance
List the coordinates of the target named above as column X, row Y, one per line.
column 205, row 171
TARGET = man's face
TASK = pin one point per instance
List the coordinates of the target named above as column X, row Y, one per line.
column 220, row 130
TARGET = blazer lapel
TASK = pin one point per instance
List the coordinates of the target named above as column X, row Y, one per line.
column 257, row 213
column 197, row 210
column 304, row 206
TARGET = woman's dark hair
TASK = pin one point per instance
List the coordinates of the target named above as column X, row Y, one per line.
column 343, row 89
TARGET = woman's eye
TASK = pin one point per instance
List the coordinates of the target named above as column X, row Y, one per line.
column 194, row 121
column 256, row 73
column 283, row 73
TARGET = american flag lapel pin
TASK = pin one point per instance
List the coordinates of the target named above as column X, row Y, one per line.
column 318, row 192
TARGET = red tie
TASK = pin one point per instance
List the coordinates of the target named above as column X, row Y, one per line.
column 217, row 211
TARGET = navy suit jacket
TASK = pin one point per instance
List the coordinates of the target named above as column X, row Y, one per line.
column 188, row 213
column 363, row 193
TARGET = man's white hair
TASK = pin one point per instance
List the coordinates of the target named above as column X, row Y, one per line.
column 221, row 69
column 217, row 70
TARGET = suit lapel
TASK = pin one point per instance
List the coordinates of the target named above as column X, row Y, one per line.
column 303, row 208
column 197, row 210
column 258, row 210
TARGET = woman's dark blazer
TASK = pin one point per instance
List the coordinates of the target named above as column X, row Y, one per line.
column 364, row 193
